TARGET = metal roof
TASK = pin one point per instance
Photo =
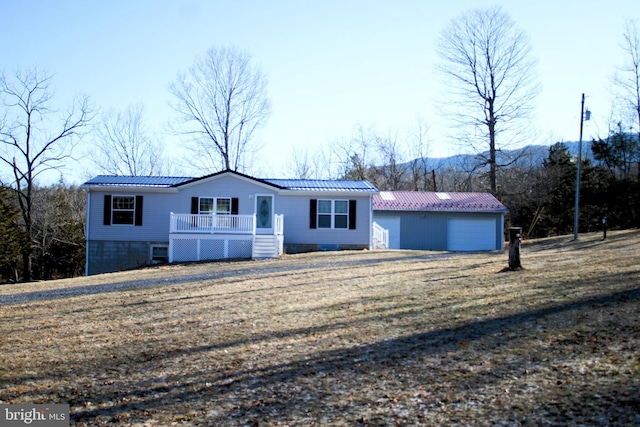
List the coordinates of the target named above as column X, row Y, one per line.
column 323, row 185
column 436, row 202
column 136, row 181
column 287, row 184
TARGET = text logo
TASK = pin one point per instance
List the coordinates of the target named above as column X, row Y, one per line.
column 54, row 415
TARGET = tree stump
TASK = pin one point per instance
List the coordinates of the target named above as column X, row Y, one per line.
column 515, row 234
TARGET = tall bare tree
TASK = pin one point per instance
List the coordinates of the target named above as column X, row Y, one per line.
column 391, row 171
column 422, row 177
column 220, row 103
column 488, row 65
column 627, row 76
column 312, row 162
column 33, row 140
column 354, row 155
column 124, row 146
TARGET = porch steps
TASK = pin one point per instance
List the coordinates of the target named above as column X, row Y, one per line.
column 265, row 246
column 380, row 236
column 378, row 244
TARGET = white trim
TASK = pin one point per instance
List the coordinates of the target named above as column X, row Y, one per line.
column 370, row 222
column 86, row 233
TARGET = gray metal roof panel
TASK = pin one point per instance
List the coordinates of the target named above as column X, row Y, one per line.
column 135, row 181
column 288, row 184
column 323, row 185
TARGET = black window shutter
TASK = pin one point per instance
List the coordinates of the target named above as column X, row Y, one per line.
column 313, row 209
column 234, row 206
column 107, row 209
column 195, row 205
column 352, row 214
column 138, row 213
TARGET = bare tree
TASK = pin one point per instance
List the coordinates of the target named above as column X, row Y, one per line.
column 422, row 177
column 627, row 76
column 300, row 163
column 488, row 65
column 220, row 102
column 32, row 141
column 355, row 155
column 391, row 171
column 310, row 162
column 124, row 146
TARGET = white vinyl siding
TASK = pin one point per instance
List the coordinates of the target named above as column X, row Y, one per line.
column 297, row 230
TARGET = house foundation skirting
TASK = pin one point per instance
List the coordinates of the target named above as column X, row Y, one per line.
column 106, row 256
column 201, row 247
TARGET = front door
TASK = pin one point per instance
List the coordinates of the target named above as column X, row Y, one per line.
column 264, row 214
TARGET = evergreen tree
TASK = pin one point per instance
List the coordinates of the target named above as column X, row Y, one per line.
column 558, row 183
column 12, row 237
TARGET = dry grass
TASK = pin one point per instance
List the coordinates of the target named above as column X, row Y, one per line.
column 349, row 338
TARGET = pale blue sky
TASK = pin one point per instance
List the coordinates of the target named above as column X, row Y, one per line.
column 331, row 65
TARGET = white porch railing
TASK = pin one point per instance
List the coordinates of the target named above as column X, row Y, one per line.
column 278, row 226
column 212, row 223
column 381, row 235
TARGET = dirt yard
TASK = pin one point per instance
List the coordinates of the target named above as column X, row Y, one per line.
column 376, row 338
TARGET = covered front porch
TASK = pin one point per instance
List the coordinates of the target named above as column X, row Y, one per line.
column 199, row 237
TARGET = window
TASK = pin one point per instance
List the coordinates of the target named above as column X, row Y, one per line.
column 159, row 254
column 206, row 205
column 341, row 214
column 222, row 205
column 333, row 213
column 336, row 214
column 123, row 209
column 324, row 213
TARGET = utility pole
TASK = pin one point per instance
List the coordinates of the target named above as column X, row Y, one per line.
column 575, row 212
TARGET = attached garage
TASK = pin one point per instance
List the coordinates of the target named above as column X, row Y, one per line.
column 441, row 221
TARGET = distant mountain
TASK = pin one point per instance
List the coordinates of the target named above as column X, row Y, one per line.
column 531, row 155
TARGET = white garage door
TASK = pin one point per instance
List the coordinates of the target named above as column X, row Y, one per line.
column 471, row 234
column 391, row 223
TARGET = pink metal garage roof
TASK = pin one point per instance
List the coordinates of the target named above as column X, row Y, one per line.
column 436, row 202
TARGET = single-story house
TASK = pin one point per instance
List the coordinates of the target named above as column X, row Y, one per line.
column 134, row 221
column 440, row 221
